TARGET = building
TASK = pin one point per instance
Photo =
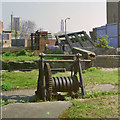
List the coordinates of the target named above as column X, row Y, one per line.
column 5, row 36
column 113, row 11
column 112, row 28
column 16, row 23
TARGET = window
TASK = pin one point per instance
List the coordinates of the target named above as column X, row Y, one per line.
column 6, row 36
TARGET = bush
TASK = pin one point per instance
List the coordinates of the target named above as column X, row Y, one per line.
column 92, row 69
column 89, row 70
column 103, row 41
column 7, row 54
column 21, row 52
column 29, row 53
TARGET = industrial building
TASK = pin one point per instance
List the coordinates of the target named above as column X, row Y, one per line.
column 112, row 28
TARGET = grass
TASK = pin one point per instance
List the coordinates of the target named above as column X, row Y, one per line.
column 98, row 76
column 19, row 58
column 25, row 58
column 100, row 107
column 21, row 80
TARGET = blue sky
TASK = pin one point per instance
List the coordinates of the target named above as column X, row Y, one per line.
column 47, row 15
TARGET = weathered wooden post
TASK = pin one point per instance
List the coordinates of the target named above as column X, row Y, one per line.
column 80, row 74
column 31, row 41
column 41, row 82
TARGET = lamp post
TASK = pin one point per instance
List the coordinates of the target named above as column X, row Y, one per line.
column 65, row 24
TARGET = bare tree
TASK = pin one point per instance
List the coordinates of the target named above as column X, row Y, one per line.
column 28, row 27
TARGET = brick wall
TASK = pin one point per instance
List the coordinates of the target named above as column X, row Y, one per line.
column 52, row 42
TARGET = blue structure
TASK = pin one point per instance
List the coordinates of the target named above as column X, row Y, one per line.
column 112, row 31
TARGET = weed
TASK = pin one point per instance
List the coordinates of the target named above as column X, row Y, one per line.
column 68, row 98
column 22, row 101
column 3, row 102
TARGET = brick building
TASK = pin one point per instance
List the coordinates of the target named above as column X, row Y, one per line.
column 5, row 36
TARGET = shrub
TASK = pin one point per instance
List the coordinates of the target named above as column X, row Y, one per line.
column 58, row 51
column 68, row 98
column 103, row 41
column 21, row 52
column 89, row 70
column 7, row 54
column 92, row 69
column 29, row 53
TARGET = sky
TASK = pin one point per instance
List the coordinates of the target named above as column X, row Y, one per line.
column 83, row 15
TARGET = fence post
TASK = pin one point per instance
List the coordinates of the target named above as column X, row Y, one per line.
column 80, row 75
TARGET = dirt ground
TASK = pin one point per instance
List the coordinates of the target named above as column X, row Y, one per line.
column 109, row 69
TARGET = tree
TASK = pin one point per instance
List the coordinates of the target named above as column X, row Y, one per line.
column 15, row 33
column 103, row 41
column 28, row 27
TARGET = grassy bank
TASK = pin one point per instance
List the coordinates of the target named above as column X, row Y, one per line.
column 19, row 58
column 20, row 80
column 23, row 55
column 100, row 107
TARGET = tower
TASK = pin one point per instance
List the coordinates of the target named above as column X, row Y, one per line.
column 113, row 11
column 16, row 23
column 62, row 26
column 11, row 22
